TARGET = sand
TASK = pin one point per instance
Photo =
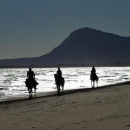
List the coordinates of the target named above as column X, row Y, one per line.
column 106, row 108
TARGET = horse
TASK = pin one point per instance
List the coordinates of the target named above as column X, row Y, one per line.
column 59, row 83
column 30, row 84
column 93, row 78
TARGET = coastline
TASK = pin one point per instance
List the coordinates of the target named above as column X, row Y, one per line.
column 54, row 93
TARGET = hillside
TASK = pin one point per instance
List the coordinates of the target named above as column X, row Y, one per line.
column 83, row 46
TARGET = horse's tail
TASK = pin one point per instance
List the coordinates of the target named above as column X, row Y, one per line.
column 63, row 81
column 97, row 77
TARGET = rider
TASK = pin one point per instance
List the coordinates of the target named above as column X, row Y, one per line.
column 31, row 77
column 60, row 78
column 93, row 72
column 30, row 74
column 59, row 72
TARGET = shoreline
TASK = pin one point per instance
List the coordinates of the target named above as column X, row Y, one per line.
column 54, row 93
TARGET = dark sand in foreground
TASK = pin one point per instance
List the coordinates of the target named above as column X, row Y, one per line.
column 106, row 108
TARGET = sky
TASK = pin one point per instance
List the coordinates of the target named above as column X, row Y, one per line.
column 32, row 28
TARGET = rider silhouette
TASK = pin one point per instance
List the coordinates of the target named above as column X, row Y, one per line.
column 31, row 78
column 59, row 79
column 59, row 72
column 93, row 72
column 30, row 74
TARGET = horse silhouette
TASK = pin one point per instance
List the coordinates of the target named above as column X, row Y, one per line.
column 31, row 84
column 59, row 83
column 93, row 78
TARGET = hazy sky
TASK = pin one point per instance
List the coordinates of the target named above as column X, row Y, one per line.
column 31, row 28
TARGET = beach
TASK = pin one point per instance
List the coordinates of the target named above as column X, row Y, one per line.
column 102, row 108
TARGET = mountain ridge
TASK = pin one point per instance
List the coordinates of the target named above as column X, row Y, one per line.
column 82, row 46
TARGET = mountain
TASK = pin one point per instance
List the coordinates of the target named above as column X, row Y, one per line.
column 84, row 46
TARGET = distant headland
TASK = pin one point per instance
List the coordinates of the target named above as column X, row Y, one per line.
column 83, row 47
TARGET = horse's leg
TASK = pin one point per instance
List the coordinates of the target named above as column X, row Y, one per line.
column 62, row 88
column 62, row 85
column 30, row 93
column 91, row 83
column 35, row 91
column 97, row 83
column 58, row 90
column 59, row 87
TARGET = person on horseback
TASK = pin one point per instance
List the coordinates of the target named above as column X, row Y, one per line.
column 93, row 72
column 59, row 80
column 31, row 78
column 59, row 76
column 93, row 77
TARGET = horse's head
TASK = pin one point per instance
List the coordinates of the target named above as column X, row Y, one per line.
column 55, row 76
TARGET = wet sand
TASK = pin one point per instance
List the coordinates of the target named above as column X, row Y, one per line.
column 106, row 108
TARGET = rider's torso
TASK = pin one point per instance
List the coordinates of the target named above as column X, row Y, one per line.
column 30, row 74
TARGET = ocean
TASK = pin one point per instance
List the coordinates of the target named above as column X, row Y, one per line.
column 12, row 81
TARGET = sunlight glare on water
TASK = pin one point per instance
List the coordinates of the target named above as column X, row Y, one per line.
column 12, row 81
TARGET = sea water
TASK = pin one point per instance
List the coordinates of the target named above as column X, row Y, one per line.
column 12, row 81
